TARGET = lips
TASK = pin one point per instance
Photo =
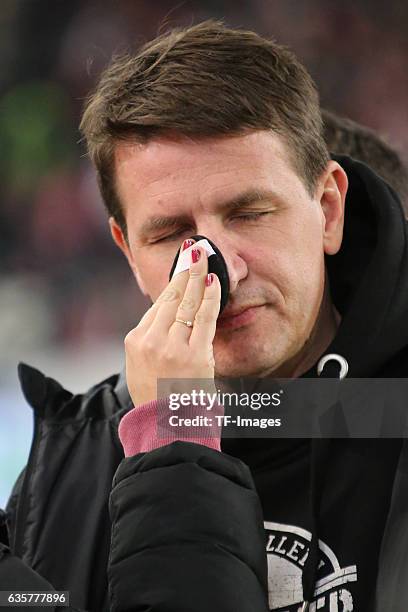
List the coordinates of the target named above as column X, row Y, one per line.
column 239, row 317
column 233, row 313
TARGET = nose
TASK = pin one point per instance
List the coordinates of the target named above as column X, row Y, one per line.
column 236, row 264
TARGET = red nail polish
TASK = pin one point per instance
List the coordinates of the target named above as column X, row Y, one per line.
column 187, row 243
column 209, row 279
column 195, row 255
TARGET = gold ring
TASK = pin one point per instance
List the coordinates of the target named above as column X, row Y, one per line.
column 188, row 323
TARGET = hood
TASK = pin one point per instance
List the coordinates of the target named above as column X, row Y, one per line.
column 368, row 276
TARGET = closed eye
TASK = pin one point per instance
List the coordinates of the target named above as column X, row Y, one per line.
column 253, row 216
column 175, row 236
column 247, row 217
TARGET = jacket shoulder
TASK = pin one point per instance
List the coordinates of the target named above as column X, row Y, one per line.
column 50, row 400
column 75, row 452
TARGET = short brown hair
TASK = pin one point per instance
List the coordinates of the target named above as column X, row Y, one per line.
column 204, row 80
column 346, row 137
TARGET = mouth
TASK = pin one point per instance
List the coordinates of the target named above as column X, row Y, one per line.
column 239, row 317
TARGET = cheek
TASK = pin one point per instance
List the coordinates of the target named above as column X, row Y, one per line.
column 306, row 271
column 153, row 272
column 292, row 261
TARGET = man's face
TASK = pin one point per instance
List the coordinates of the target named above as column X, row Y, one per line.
column 275, row 260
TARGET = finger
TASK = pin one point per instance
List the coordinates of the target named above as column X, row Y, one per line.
column 205, row 324
column 172, row 291
column 162, row 314
column 169, row 300
column 149, row 316
column 192, row 298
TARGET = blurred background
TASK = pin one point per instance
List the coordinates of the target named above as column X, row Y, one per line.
column 67, row 298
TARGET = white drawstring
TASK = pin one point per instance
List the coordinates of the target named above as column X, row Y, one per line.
column 335, row 357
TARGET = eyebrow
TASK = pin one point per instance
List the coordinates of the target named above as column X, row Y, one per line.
column 157, row 223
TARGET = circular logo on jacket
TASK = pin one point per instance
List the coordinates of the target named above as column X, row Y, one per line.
column 287, row 549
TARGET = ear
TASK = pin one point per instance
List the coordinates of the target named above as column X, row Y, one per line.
column 120, row 241
column 331, row 193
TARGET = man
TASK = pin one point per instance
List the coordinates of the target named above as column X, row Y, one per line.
column 218, row 132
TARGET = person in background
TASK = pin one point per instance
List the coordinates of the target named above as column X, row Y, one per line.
column 215, row 131
column 346, row 137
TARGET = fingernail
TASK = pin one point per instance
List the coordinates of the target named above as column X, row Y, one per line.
column 187, row 243
column 195, row 255
column 209, row 279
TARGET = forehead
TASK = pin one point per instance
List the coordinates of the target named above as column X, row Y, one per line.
column 208, row 168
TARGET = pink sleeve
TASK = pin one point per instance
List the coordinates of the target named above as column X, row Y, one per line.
column 146, row 427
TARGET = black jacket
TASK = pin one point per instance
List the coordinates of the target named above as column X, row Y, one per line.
column 59, row 520
column 185, row 528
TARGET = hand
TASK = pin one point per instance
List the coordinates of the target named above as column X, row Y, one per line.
column 162, row 348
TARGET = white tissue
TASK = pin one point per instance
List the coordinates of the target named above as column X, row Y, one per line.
column 184, row 260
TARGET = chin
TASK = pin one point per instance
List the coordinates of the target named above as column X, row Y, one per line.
column 250, row 359
column 229, row 366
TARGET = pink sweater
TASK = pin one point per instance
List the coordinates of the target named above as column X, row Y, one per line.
column 147, row 426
